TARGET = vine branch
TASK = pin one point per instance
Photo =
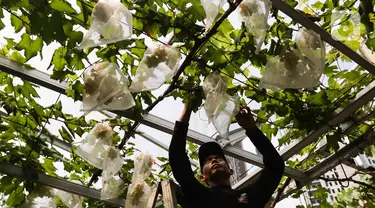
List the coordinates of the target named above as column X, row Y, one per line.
column 350, row 179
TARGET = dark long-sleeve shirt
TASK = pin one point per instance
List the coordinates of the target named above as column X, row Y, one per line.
column 258, row 193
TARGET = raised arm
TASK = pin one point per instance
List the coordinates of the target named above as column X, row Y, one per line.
column 179, row 160
column 261, row 190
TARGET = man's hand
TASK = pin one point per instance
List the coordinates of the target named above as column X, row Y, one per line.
column 245, row 119
column 185, row 115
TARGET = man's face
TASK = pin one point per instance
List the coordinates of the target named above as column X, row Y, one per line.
column 215, row 168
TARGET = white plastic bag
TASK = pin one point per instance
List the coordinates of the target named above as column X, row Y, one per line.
column 106, row 89
column 139, row 191
column 142, row 167
column 112, row 188
column 43, row 197
column 111, row 22
column 255, row 15
column 160, row 63
column 212, row 9
column 70, row 200
column 112, row 163
column 219, row 106
column 296, row 68
column 138, row 195
column 94, row 147
column 313, row 50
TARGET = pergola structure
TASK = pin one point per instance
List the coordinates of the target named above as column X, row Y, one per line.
column 302, row 178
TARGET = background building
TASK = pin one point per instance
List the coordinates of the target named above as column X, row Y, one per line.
column 335, row 187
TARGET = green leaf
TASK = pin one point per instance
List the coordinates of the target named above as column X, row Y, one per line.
column 58, row 59
column 16, row 198
column 62, row 6
column 317, row 5
column 31, row 47
column 16, row 56
column 16, row 23
column 353, row 44
column 333, row 141
column 319, row 98
column 371, row 43
column 48, row 166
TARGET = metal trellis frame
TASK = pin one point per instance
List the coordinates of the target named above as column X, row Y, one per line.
column 150, row 120
column 362, row 98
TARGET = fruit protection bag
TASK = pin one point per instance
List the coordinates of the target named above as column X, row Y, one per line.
column 212, row 9
column 296, row 68
column 112, row 188
column 111, row 22
column 219, row 106
column 106, row 89
column 70, row 200
column 160, row 63
column 112, row 163
column 255, row 15
column 94, row 147
column 40, row 197
column 139, row 191
column 313, row 51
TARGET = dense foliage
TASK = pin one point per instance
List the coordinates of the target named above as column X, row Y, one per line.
column 230, row 51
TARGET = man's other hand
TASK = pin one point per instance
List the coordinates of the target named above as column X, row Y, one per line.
column 245, row 119
column 185, row 115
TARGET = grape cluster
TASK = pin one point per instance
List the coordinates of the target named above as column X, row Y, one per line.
column 102, row 12
column 137, row 194
column 246, row 10
column 311, row 40
column 159, row 55
column 290, row 60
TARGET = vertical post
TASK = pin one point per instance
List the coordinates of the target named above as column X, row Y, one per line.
column 155, row 190
column 169, row 194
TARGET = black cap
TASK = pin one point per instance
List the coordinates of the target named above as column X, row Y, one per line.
column 207, row 149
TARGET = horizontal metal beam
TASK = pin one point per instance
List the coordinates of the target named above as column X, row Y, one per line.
column 327, row 37
column 363, row 97
column 31, row 74
column 152, row 121
column 15, row 171
column 350, row 150
column 346, row 127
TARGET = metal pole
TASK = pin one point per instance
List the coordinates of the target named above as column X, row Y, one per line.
column 349, row 150
column 57, row 183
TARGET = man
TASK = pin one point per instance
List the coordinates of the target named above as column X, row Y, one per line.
column 216, row 171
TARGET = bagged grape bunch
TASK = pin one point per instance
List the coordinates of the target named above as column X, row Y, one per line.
column 296, row 68
column 111, row 22
column 112, row 188
column 112, row 163
column 212, row 9
column 219, row 106
column 139, row 191
column 106, row 89
column 94, row 147
column 40, row 197
column 70, row 200
column 255, row 15
column 313, row 51
column 160, row 63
